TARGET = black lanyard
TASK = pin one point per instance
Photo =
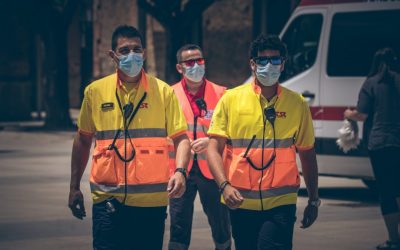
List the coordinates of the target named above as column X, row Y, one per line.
column 128, row 113
column 127, row 118
column 270, row 116
column 132, row 115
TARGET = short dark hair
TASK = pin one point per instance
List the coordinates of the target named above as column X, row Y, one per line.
column 124, row 31
column 264, row 42
column 187, row 47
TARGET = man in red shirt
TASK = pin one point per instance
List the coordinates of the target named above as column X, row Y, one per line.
column 198, row 98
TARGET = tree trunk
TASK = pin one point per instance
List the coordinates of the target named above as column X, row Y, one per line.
column 56, row 60
column 181, row 27
column 55, row 17
column 174, row 40
column 178, row 35
column 86, row 45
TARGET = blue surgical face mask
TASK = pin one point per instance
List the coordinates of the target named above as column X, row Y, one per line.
column 131, row 64
column 195, row 73
column 269, row 74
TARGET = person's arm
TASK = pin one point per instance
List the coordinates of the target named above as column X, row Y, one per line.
column 177, row 183
column 310, row 174
column 79, row 159
column 355, row 115
column 232, row 196
column 364, row 103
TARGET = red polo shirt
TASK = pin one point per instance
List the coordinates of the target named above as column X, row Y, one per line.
column 192, row 98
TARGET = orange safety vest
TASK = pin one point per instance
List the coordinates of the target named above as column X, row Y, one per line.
column 212, row 94
column 147, row 175
column 280, row 181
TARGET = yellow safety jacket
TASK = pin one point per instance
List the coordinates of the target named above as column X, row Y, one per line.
column 238, row 117
column 144, row 181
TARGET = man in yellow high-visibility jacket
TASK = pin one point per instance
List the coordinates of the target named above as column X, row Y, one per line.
column 263, row 124
column 131, row 114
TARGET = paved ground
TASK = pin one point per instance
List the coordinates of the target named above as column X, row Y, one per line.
column 34, row 179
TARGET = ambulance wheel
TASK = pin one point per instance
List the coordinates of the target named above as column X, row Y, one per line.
column 371, row 184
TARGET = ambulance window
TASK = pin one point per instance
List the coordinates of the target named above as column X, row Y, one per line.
column 356, row 36
column 301, row 39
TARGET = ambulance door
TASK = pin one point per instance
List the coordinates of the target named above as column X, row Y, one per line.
column 302, row 35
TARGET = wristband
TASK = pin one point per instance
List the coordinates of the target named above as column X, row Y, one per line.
column 223, row 186
column 182, row 171
column 315, row 203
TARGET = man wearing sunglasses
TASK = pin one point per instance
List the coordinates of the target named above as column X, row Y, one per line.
column 131, row 114
column 197, row 97
column 263, row 124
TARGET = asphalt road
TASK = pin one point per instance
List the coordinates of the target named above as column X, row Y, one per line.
column 34, row 179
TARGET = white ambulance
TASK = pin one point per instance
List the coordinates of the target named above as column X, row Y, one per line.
column 331, row 45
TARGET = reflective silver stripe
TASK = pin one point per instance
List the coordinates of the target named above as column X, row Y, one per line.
column 134, row 133
column 257, row 143
column 255, row 194
column 132, row 189
column 200, row 128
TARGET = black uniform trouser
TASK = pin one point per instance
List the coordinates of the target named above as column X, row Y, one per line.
column 386, row 167
column 181, row 212
column 128, row 227
column 270, row 229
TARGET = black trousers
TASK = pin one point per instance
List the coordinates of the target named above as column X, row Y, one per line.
column 270, row 229
column 128, row 227
column 386, row 167
column 181, row 212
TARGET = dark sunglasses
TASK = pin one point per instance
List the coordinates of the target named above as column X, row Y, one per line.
column 264, row 60
column 191, row 62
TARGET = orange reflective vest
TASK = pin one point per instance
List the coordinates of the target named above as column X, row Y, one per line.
column 280, row 181
column 212, row 94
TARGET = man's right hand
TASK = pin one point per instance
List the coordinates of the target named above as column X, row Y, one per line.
column 76, row 204
column 233, row 198
column 176, row 186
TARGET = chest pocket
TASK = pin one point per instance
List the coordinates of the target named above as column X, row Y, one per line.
column 151, row 161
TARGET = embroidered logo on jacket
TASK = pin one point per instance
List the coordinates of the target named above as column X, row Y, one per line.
column 144, row 105
column 281, row 114
column 107, row 106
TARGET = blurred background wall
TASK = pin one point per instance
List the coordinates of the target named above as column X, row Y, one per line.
column 52, row 49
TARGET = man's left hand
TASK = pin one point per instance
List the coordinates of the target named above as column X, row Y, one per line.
column 176, row 185
column 309, row 217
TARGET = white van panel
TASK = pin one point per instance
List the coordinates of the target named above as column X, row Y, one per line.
column 349, row 166
column 333, row 94
column 307, row 80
